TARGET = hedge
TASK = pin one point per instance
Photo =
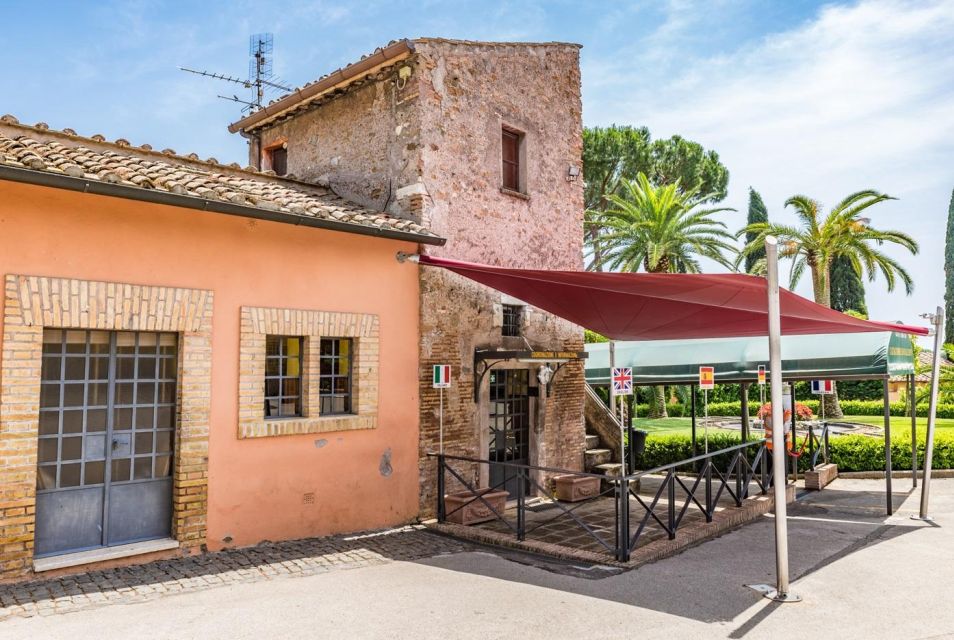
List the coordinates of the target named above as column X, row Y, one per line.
column 848, row 407
column 849, row 452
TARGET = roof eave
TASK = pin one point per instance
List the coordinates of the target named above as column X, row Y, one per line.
column 95, row 187
column 388, row 55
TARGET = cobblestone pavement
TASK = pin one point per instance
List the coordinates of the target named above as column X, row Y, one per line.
column 266, row 561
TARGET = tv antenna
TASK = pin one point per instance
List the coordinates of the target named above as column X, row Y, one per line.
column 260, row 76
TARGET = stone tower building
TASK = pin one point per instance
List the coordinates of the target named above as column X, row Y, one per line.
column 481, row 143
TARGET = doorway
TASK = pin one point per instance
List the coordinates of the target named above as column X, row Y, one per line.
column 106, row 436
column 509, row 426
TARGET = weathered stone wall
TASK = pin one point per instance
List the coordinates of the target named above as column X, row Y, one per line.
column 429, row 147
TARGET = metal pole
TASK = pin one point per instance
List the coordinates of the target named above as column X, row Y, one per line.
column 887, row 448
column 912, row 395
column 745, row 411
column 932, row 408
column 781, row 593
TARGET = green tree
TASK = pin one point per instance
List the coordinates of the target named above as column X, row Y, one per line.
column 661, row 229
column 757, row 213
column 820, row 239
column 949, row 275
column 615, row 153
column 847, row 290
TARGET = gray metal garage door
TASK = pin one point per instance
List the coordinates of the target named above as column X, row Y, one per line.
column 107, row 420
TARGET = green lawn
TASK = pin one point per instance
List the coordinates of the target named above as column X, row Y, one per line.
column 667, row 426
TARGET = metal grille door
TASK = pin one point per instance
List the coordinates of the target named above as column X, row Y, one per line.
column 509, row 425
column 107, row 419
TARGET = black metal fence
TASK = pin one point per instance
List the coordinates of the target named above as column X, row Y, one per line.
column 695, row 483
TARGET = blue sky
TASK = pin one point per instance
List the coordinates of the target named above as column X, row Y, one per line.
column 797, row 97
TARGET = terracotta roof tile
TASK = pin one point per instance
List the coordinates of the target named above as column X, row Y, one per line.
column 32, row 148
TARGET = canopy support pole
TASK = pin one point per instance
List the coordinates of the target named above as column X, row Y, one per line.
column 913, row 401
column 938, row 320
column 779, row 483
column 745, row 411
column 887, row 447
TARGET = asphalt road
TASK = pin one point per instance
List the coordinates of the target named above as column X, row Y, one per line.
column 861, row 575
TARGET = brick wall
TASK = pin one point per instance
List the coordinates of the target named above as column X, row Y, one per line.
column 32, row 303
column 257, row 322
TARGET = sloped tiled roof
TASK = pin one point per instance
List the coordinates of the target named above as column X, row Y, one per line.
column 64, row 153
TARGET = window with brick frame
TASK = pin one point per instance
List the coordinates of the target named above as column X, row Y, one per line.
column 283, row 365
column 511, row 160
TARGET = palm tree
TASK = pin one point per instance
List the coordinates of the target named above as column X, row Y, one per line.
column 820, row 239
column 661, row 230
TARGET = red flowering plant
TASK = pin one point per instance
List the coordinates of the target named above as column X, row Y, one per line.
column 802, row 412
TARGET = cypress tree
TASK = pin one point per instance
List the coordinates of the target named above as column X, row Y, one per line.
column 949, row 275
column 847, row 290
column 757, row 213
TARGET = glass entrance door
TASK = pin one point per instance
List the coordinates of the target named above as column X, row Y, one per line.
column 104, row 458
column 509, row 425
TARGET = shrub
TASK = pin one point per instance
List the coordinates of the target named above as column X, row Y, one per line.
column 849, row 452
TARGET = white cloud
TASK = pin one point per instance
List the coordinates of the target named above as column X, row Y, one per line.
column 860, row 96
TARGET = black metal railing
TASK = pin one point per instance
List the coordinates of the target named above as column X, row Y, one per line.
column 733, row 471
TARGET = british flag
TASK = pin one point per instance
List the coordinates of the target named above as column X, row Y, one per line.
column 623, row 381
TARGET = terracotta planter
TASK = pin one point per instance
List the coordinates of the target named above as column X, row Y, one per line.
column 474, row 510
column 576, row 488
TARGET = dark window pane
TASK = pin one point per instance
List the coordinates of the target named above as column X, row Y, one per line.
column 144, row 417
column 272, row 387
column 52, row 341
column 46, row 477
column 47, row 449
column 49, row 422
column 95, row 420
column 120, row 470
column 97, row 394
column 72, row 449
column 73, row 394
column 122, row 419
column 146, row 393
column 125, row 368
column 167, row 368
column 99, row 368
column 124, row 393
column 167, row 344
column 290, row 386
column 147, row 342
column 167, row 392
column 163, row 466
column 75, row 342
column 165, row 418
column 50, row 395
column 143, row 443
column 73, row 421
column 51, row 368
column 143, row 468
column 147, row 368
column 163, row 441
column 70, row 474
column 94, row 472
column 125, row 343
column 99, row 342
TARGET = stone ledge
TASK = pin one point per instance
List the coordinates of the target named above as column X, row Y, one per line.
column 298, row 426
column 100, row 555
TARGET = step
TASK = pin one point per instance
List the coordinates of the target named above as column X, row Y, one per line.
column 592, row 441
column 595, row 457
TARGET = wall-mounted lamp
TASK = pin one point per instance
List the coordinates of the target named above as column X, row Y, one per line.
column 572, row 173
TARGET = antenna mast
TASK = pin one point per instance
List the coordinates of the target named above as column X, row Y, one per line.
column 260, row 76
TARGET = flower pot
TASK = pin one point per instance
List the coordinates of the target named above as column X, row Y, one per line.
column 576, row 488
column 474, row 510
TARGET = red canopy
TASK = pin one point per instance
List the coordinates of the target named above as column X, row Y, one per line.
column 663, row 306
